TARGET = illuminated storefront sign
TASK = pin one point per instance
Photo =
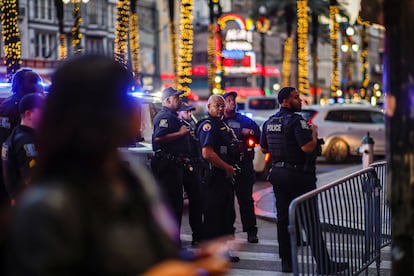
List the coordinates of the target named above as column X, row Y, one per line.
column 237, row 44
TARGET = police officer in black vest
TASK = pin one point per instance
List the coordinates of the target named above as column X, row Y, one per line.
column 248, row 132
column 168, row 143
column 192, row 178
column 217, row 141
column 292, row 144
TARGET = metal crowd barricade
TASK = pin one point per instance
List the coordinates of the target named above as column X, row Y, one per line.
column 342, row 223
column 381, row 169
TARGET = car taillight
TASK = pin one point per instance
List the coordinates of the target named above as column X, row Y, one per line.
column 251, row 143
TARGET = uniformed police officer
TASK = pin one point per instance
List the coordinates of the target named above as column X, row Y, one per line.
column 24, row 81
column 19, row 151
column 168, row 142
column 245, row 129
column 292, row 142
column 191, row 179
column 218, row 177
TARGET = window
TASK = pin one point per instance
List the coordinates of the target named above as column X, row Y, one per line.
column 353, row 116
column 94, row 45
column 43, row 10
column 111, row 16
column 262, row 104
column 45, row 45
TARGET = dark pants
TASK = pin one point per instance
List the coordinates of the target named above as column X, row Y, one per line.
column 192, row 187
column 243, row 188
column 287, row 185
column 218, row 206
column 170, row 175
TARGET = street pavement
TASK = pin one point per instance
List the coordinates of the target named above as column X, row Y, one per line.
column 262, row 259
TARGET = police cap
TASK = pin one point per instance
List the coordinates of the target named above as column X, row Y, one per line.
column 170, row 91
column 232, row 93
column 186, row 107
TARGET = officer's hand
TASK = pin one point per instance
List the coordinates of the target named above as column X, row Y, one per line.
column 314, row 131
column 184, row 130
column 230, row 171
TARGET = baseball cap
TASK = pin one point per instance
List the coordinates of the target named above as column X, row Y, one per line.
column 31, row 101
column 284, row 93
column 186, row 107
column 170, row 91
column 232, row 93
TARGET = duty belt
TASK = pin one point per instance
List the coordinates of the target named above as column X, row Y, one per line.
column 178, row 159
column 288, row 165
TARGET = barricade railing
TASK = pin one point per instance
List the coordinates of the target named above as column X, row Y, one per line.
column 381, row 169
column 342, row 223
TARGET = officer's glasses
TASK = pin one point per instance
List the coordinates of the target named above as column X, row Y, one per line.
column 218, row 105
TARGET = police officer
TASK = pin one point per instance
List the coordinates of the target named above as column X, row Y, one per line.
column 19, row 151
column 169, row 142
column 191, row 179
column 248, row 132
column 24, row 81
column 292, row 143
column 217, row 185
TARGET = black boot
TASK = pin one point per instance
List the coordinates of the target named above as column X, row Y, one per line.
column 252, row 236
column 287, row 265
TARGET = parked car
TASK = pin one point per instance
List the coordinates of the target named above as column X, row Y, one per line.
column 343, row 126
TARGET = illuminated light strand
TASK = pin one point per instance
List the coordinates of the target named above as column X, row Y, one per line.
column 11, row 37
column 185, row 54
column 121, row 32
column 303, row 71
column 263, row 24
column 76, row 34
column 287, row 53
column 364, row 56
column 63, row 50
column 211, row 55
column 173, row 37
column 134, row 46
column 334, row 34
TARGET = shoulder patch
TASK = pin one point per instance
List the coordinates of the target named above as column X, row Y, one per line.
column 30, row 150
column 304, row 124
column 163, row 123
column 207, row 127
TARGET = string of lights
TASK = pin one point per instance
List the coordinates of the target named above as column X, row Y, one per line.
column 334, row 34
column 76, row 34
column 134, row 46
column 11, row 37
column 303, row 71
column 287, row 53
column 185, row 54
column 211, row 55
column 364, row 56
column 63, row 50
column 121, row 31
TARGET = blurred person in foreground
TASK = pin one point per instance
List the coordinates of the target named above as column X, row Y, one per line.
column 192, row 177
column 18, row 151
column 248, row 133
column 86, row 212
column 292, row 144
column 24, row 81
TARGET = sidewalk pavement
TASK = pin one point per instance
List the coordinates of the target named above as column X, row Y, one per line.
column 264, row 199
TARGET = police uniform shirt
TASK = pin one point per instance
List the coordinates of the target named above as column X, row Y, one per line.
column 214, row 133
column 191, row 141
column 19, row 157
column 165, row 122
column 296, row 134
